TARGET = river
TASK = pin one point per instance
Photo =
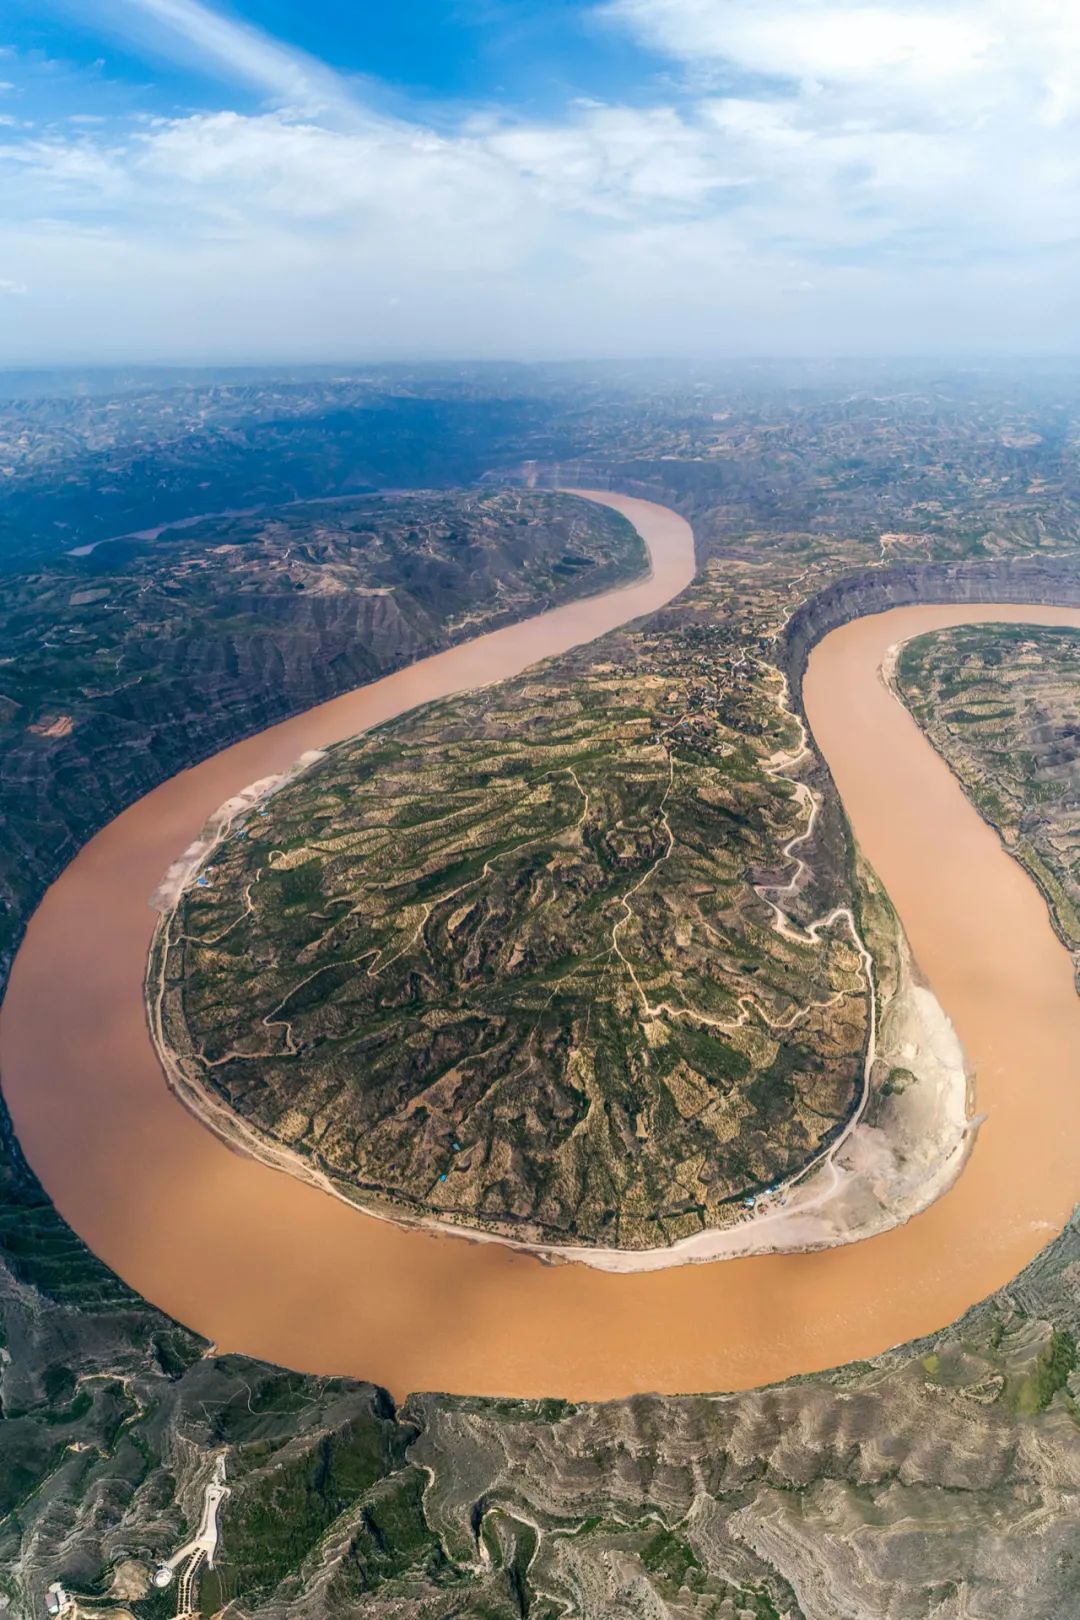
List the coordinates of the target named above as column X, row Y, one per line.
column 262, row 1263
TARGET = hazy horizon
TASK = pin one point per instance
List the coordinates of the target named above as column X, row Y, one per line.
column 778, row 369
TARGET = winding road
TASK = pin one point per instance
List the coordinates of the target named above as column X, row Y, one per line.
column 262, row 1263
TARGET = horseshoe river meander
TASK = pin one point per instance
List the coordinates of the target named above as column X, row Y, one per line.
column 261, row 1262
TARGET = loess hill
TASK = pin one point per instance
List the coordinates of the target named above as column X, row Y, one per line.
column 893, row 1490
column 123, row 665
column 1001, row 703
column 941, row 1479
column 519, row 960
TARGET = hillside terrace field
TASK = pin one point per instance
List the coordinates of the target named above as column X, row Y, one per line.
column 1001, row 703
column 941, row 1478
column 518, row 960
column 121, row 666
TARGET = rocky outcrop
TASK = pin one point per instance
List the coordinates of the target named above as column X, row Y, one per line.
column 1016, row 579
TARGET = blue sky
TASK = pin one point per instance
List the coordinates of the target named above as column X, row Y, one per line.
column 532, row 55
column 181, row 180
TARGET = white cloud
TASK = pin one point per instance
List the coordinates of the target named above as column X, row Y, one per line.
column 954, row 123
column 830, row 173
column 618, row 159
column 229, row 48
column 950, row 60
column 817, row 39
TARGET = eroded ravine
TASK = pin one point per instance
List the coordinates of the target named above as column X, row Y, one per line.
column 260, row 1262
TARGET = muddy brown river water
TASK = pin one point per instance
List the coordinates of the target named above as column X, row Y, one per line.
column 262, row 1263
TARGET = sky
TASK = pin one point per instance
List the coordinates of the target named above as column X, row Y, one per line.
column 292, row 180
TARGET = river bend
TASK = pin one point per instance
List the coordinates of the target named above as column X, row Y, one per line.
column 262, row 1263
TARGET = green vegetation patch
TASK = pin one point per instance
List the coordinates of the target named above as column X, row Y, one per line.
column 510, row 958
column 1001, row 703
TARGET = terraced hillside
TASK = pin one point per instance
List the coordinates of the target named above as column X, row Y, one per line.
column 520, row 959
column 1001, row 703
column 939, row 1480
column 122, row 666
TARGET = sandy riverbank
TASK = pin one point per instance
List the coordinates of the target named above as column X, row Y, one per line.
column 261, row 1263
column 904, row 1146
